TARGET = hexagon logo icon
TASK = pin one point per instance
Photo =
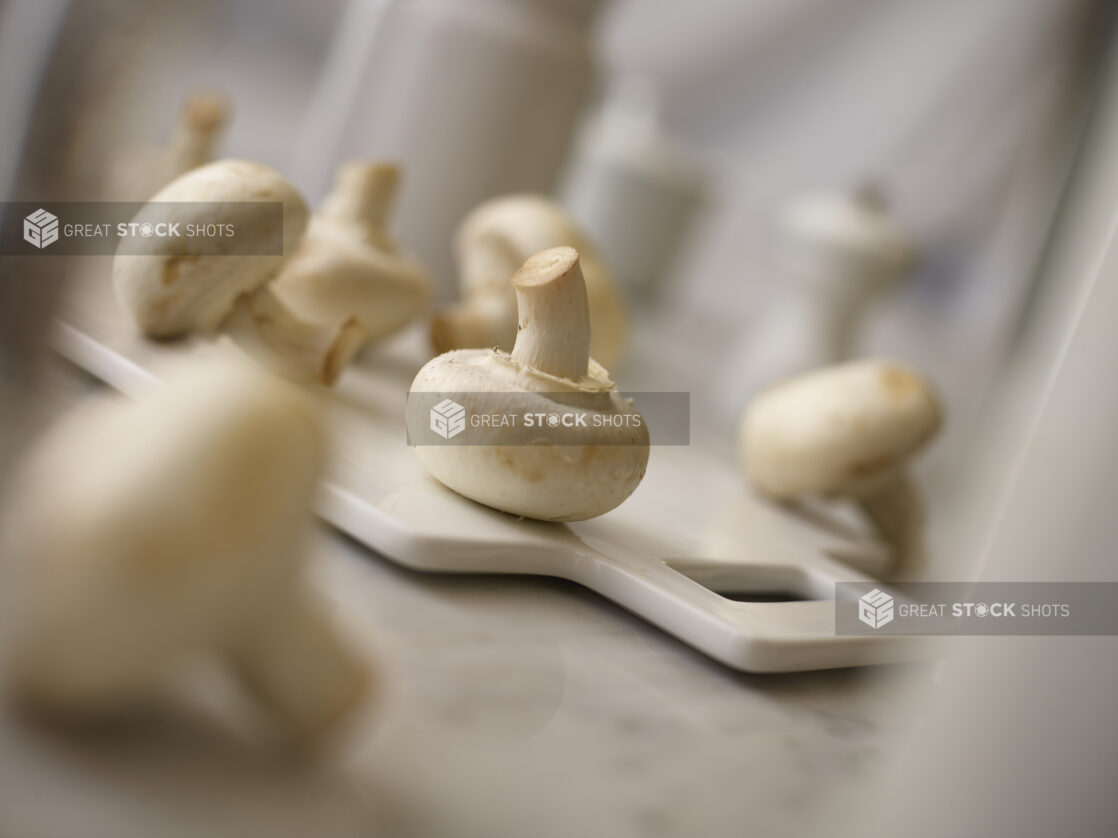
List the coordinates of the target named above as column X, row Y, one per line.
column 875, row 609
column 40, row 228
column 448, row 419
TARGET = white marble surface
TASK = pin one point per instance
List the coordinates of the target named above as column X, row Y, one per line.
column 509, row 707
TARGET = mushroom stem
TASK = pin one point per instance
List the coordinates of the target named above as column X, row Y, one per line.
column 870, row 195
column 265, row 328
column 203, row 117
column 553, row 332
column 363, row 193
column 895, row 508
column 297, row 668
column 833, row 312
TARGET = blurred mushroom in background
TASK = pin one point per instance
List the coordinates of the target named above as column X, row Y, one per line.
column 140, row 171
column 835, row 255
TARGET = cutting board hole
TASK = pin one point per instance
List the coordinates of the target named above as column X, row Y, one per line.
column 761, row 596
column 752, row 583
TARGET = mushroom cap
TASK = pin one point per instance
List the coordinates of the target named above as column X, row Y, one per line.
column 180, row 285
column 851, row 232
column 363, row 197
column 527, row 223
column 137, row 532
column 837, row 428
column 544, row 481
column 335, row 273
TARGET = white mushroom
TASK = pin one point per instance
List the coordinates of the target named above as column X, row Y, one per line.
column 846, row 430
column 835, row 255
column 138, row 535
column 348, row 265
column 845, row 246
column 141, row 172
column 182, row 284
column 492, row 242
column 548, row 372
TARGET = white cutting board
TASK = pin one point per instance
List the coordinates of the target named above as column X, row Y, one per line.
column 692, row 527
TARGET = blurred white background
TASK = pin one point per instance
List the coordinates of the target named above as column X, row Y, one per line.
column 969, row 115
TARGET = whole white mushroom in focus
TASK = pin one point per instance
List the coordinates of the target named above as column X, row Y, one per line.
column 550, row 361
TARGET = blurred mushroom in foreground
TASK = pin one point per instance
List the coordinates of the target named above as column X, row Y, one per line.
column 138, row 535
